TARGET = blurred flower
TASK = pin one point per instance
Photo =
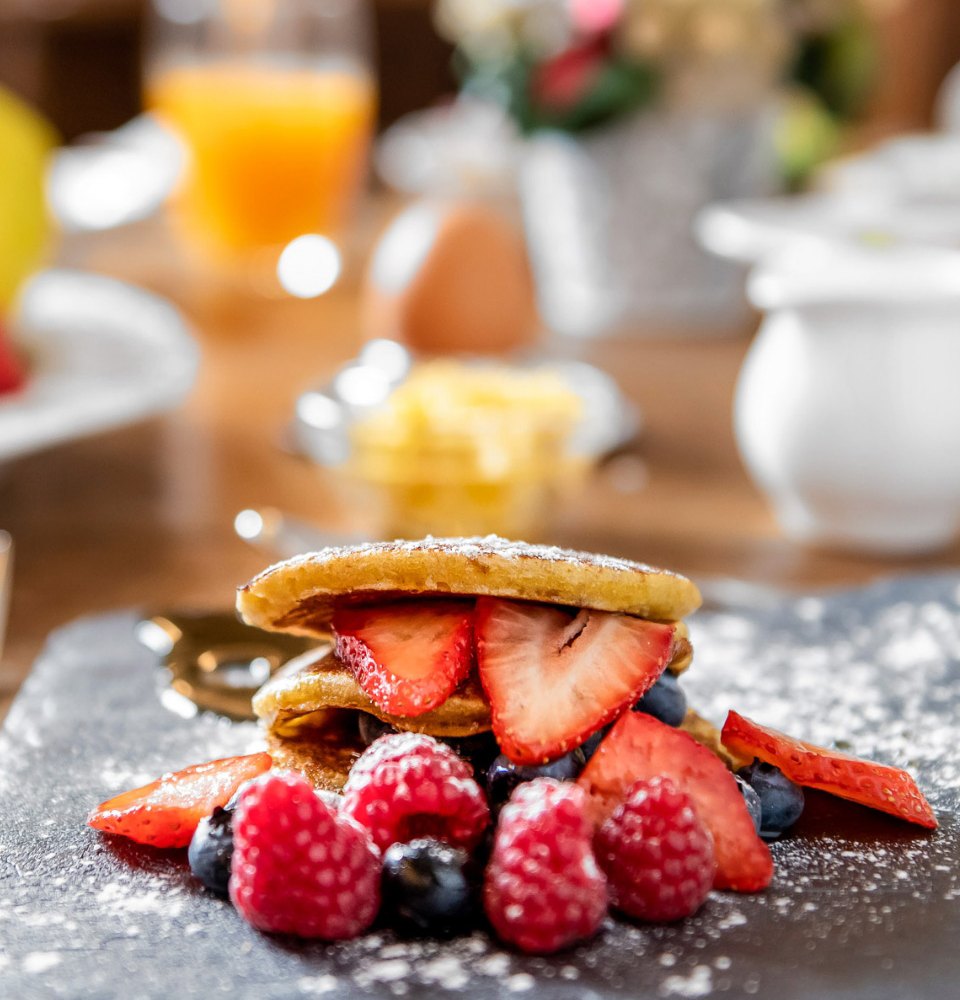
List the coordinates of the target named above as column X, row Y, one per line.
column 575, row 64
column 559, row 83
column 596, row 17
column 502, row 29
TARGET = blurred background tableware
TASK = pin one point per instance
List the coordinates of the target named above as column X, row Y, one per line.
column 275, row 101
column 457, row 446
column 847, row 412
column 98, row 354
column 451, row 275
column 637, row 113
column 539, row 165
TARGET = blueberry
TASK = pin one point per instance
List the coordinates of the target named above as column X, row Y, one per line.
column 427, row 888
column 371, row 728
column 477, row 750
column 211, row 849
column 752, row 800
column 503, row 775
column 664, row 701
column 781, row 801
column 590, row 744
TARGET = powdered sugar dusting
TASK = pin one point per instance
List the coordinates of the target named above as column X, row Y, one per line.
column 699, row 983
column 877, row 687
column 879, row 670
column 468, row 548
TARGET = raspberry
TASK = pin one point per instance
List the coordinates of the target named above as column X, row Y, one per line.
column 543, row 888
column 657, row 854
column 298, row 866
column 407, row 785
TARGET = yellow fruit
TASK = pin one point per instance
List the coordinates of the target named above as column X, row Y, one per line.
column 25, row 143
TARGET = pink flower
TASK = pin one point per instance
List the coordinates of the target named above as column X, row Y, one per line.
column 562, row 81
column 595, row 17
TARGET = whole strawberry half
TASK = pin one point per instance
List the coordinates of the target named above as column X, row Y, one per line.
column 553, row 678
column 870, row 784
column 639, row 746
column 408, row 656
column 166, row 812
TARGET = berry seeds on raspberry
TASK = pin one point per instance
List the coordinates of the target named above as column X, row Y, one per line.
column 407, row 785
column 544, row 890
column 657, row 854
column 299, row 866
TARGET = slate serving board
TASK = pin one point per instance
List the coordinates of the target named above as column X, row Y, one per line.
column 861, row 906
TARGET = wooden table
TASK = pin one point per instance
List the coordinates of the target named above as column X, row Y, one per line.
column 142, row 517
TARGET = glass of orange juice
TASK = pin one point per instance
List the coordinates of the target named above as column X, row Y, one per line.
column 275, row 102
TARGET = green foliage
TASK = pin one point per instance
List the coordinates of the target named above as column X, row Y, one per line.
column 839, row 67
column 619, row 87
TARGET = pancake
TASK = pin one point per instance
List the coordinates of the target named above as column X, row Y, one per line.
column 311, row 707
column 317, row 682
column 299, row 595
column 324, row 759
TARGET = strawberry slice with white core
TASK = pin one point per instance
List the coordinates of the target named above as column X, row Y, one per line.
column 408, row 656
column 553, row 677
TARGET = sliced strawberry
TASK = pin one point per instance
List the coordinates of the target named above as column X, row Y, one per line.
column 875, row 785
column 639, row 746
column 408, row 656
column 166, row 812
column 553, row 678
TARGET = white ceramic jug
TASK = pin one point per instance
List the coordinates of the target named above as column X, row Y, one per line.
column 847, row 409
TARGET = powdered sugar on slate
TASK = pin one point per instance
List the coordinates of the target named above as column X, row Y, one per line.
column 878, row 669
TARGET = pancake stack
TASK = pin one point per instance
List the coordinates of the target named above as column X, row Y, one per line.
column 312, row 707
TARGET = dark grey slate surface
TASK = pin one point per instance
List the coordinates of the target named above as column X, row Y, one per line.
column 861, row 907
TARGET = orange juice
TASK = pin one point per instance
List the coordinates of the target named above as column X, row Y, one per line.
column 275, row 152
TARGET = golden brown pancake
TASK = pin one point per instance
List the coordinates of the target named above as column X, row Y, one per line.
column 299, row 595
column 310, row 708
column 318, row 681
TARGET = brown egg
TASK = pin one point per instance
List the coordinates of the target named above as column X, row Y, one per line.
column 451, row 277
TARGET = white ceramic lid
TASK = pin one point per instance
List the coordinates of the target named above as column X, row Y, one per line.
column 831, row 273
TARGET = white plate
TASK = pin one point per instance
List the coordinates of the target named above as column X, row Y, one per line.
column 101, row 354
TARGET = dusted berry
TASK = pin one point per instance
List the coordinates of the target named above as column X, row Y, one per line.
column 426, row 888
column 407, row 785
column 371, row 728
column 640, row 746
column 300, row 867
column 503, row 776
column 878, row 786
column 657, row 854
column 664, row 701
column 552, row 678
column 166, row 812
column 752, row 801
column 408, row 656
column 211, row 849
column 544, row 890
column 781, row 801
